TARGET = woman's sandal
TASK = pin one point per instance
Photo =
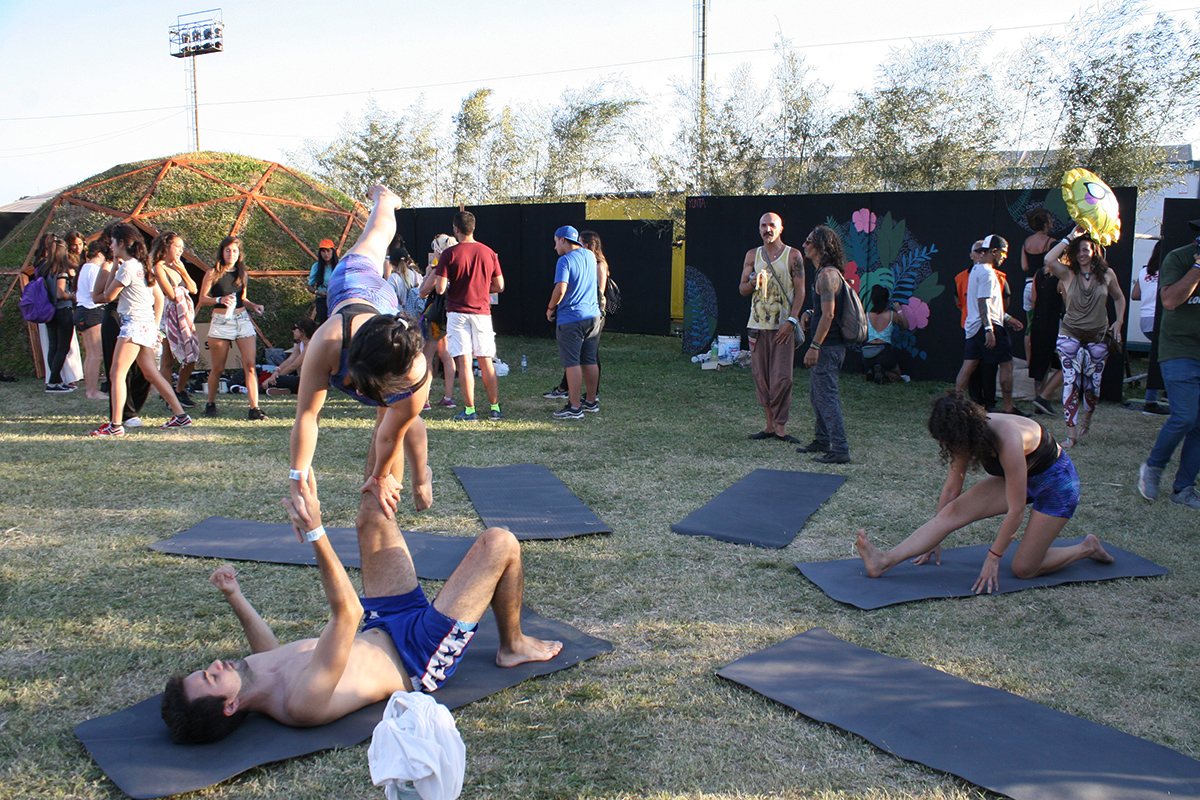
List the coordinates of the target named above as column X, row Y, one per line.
column 1069, row 443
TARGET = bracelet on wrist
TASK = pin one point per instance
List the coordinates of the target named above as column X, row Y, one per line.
column 815, row 345
column 793, row 321
column 315, row 533
column 298, row 474
column 993, row 552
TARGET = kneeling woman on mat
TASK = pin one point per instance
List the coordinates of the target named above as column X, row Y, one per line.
column 370, row 351
column 1024, row 465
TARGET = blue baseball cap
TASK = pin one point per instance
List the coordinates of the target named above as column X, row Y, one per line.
column 569, row 233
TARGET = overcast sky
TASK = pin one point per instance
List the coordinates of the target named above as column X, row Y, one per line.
column 87, row 85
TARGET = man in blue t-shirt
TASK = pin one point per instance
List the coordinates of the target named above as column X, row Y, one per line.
column 575, row 306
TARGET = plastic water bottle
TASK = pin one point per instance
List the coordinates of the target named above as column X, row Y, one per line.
column 524, row 362
column 712, row 354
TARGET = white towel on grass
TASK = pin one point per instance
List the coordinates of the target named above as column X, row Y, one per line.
column 417, row 741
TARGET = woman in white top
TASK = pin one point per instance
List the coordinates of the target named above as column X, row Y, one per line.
column 140, row 305
column 89, row 315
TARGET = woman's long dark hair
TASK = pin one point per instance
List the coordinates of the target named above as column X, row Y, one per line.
column 56, row 262
column 1099, row 262
column 591, row 240
column 1155, row 259
column 829, row 248
column 381, row 355
column 879, row 299
column 131, row 238
column 158, row 247
column 1040, row 220
column 959, row 425
column 239, row 268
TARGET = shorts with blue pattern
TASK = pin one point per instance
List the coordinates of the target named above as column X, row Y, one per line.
column 1055, row 492
column 359, row 278
column 430, row 643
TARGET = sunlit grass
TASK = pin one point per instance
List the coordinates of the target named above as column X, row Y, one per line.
column 92, row 621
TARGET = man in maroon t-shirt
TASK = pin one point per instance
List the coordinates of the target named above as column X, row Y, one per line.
column 472, row 271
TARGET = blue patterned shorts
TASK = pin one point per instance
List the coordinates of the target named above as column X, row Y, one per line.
column 429, row 642
column 1055, row 492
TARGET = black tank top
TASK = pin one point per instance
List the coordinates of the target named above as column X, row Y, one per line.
column 225, row 285
column 1041, row 459
column 834, row 336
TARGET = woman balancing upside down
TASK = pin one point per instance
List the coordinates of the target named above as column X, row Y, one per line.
column 370, row 351
column 1024, row 465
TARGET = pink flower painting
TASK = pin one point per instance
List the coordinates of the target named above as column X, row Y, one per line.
column 916, row 312
column 864, row 220
column 851, row 274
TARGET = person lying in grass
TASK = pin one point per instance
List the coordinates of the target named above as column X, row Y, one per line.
column 1024, row 465
column 406, row 643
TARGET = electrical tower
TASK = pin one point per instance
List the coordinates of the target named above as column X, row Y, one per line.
column 700, row 78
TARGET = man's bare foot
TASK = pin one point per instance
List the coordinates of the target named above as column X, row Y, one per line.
column 1095, row 551
column 423, row 492
column 527, row 649
column 871, row 555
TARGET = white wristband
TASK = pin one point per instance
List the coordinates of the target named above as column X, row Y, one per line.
column 315, row 533
column 298, row 474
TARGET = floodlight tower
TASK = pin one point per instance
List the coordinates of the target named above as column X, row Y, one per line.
column 195, row 35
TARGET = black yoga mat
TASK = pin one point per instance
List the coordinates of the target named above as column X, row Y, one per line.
column 434, row 557
column 766, row 508
column 135, row 750
column 996, row 740
column 528, row 500
column 846, row 581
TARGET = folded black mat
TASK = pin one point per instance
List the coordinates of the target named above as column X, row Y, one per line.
column 528, row 500
column 996, row 740
column 766, row 508
column 135, row 750
column 846, row 581
column 434, row 557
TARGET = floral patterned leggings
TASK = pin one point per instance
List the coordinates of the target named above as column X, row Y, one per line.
column 1082, row 366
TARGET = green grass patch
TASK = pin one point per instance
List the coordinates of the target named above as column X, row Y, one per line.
column 92, row 621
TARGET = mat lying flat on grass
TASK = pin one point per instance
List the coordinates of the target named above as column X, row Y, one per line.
column 846, row 581
column 996, row 740
column 135, row 750
column 528, row 500
column 434, row 557
column 766, row 508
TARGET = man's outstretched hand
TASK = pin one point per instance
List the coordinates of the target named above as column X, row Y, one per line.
column 303, row 507
column 225, row 579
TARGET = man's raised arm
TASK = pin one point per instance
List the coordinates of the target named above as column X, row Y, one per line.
column 308, row 696
column 258, row 632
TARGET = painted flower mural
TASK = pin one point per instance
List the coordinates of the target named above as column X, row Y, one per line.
column 883, row 252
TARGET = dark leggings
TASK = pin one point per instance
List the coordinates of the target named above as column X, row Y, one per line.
column 138, row 388
column 58, row 340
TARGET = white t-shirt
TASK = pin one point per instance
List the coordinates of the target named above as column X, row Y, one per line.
column 136, row 299
column 83, row 289
column 983, row 283
column 1149, row 284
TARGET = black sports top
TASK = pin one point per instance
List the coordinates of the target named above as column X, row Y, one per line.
column 225, row 285
column 1041, row 459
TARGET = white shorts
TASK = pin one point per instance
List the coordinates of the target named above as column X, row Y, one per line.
column 139, row 331
column 223, row 327
column 470, row 334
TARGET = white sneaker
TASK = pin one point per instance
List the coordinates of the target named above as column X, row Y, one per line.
column 132, row 422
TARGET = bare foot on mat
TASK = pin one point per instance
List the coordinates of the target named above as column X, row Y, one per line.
column 527, row 649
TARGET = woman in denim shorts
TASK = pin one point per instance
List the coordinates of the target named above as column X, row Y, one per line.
column 224, row 288
column 1024, row 466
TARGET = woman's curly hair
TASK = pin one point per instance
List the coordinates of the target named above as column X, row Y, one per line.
column 959, row 425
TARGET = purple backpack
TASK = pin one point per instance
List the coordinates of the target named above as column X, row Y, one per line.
column 35, row 302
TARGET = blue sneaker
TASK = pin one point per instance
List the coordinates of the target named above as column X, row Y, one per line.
column 495, row 416
column 568, row 412
column 463, row 416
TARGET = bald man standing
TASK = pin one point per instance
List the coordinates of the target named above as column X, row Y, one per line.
column 773, row 279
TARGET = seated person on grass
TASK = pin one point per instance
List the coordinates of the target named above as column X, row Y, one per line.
column 406, row 643
column 286, row 377
column 1024, row 466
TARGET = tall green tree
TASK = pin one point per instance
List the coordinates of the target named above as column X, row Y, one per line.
column 378, row 147
column 1131, row 89
column 588, row 142
column 472, row 124
column 931, row 122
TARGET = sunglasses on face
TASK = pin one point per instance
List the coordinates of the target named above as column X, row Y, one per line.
column 979, row 250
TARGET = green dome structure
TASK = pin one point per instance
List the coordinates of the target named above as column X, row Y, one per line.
column 279, row 213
